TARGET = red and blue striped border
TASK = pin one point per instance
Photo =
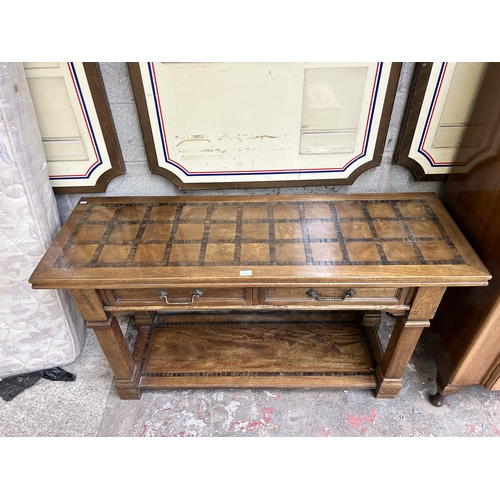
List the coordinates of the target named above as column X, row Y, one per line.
column 83, row 107
column 166, row 156
column 436, row 94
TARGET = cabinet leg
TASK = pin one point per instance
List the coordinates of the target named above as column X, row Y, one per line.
column 442, row 391
column 437, row 399
column 115, row 349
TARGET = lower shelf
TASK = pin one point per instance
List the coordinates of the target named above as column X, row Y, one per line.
column 286, row 350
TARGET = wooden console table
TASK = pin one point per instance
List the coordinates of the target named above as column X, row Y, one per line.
column 259, row 291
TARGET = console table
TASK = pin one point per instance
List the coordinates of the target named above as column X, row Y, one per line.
column 259, row 291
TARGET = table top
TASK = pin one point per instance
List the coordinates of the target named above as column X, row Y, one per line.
column 397, row 238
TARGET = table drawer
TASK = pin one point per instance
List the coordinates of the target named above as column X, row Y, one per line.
column 329, row 296
column 189, row 298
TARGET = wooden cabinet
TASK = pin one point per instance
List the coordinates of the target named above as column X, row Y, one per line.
column 464, row 337
column 250, row 291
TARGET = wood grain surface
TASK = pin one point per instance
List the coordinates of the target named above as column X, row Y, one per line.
column 291, row 348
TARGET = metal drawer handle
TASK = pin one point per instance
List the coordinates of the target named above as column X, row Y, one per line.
column 194, row 295
column 347, row 295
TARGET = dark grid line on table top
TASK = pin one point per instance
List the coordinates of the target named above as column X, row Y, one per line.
column 138, row 236
column 375, row 237
column 204, row 239
column 238, row 235
column 411, row 238
column 338, row 230
column 458, row 259
column 272, row 235
column 300, row 206
column 259, row 264
column 71, row 240
column 105, row 236
column 173, row 232
column 445, row 235
column 296, row 205
column 305, row 233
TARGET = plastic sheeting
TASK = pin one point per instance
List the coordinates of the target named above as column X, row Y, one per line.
column 38, row 328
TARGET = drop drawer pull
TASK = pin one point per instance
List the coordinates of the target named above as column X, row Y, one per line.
column 194, row 294
column 347, row 295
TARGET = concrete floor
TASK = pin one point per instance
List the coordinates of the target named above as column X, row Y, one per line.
column 90, row 407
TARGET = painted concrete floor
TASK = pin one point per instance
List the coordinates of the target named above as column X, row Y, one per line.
column 90, row 407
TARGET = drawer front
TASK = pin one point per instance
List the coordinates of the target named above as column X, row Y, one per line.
column 192, row 297
column 330, row 296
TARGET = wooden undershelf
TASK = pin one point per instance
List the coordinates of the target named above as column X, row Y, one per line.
column 287, row 350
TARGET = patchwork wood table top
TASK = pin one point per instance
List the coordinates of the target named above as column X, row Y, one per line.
column 353, row 238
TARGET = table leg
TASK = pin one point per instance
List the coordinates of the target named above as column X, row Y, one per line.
column 404, row 338
column 112, row 342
